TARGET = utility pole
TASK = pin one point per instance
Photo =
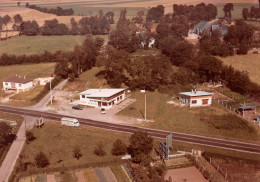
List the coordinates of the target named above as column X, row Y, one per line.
column 145, row 107
column 51, row 92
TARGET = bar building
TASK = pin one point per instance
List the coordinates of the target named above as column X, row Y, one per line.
column 104, row 98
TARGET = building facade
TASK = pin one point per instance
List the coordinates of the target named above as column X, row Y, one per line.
column 18, row 83
column 196, row 98
column 103, row 98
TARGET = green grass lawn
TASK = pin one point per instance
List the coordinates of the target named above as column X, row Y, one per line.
column 38, row 44
column 58, row 142
column 29, row 95
column 212, row 121
column 18, row 119
column 86, row 80
column 249, row 63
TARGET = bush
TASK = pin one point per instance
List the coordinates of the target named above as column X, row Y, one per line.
column 41, row 160
column 29, row 136
column 119, row 147
column 77, row 153
column 100, row 149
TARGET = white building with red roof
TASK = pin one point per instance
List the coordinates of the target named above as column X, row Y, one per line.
column 104, row 98
column 18, row 83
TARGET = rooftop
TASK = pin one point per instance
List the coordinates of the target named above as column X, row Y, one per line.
column 247, row 107
column 195, row 93
column 101, row 92
column 18, row 79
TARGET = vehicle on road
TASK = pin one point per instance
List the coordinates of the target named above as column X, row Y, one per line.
column 77, row 107
column 69, row 121
column 102, row 111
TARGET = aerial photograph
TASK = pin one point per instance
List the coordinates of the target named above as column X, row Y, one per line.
column 129, row 91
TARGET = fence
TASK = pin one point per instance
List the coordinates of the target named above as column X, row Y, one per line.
column 234, row 110
column 218, row 168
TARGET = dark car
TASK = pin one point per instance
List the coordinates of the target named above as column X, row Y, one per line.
column 77, row 107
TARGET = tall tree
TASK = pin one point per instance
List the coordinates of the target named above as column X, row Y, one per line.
column 140, row 148
column 6, row 20
column 227, row 9
column 245, row 13
column 17, row 22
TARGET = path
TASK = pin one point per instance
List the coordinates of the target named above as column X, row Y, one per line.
column 15, row 149
column 47, row 98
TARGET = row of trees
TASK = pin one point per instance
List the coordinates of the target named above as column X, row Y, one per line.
column 253, row 13
column 196, row 13
column 57, row 11
column 5, row 20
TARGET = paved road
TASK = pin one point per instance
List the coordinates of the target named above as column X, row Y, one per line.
column 195, row 139
column 15, row 149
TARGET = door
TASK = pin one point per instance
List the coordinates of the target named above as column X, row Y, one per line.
column 99, row 104
column 205, row 101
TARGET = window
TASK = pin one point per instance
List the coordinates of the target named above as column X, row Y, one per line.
column 6, row 84
column 20, row 85
column 83, row 96
column 194, row 101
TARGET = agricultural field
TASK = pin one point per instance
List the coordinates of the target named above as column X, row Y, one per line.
column 38, row 44
column 249, row 63
column 212, row 121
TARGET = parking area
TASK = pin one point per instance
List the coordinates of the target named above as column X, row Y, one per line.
column 63, row 103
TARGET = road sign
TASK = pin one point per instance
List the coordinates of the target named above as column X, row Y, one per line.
column 164, row 150
column 169, row 141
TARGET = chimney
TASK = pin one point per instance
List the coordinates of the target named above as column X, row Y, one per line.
column 16, row 75
column 19, row 76
column 192, row 91
column 195, row 91
column 24, row 77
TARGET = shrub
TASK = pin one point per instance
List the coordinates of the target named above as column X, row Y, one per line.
column 100, row 149
column 29, row 136
column 41, row 160
column 77, row 153
column 119, row 147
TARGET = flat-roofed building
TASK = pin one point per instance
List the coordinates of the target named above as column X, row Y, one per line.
column 17, row 83
column 196, row 98
column 104, row 98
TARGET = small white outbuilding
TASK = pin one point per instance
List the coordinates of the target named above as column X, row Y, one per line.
column 196, row 98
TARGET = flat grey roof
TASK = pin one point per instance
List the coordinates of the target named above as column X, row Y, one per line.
column 101, row 92
column 196, row 93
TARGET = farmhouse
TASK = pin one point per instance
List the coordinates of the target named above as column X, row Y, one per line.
column 196, row 98
column 17, row 83
column 104, row 98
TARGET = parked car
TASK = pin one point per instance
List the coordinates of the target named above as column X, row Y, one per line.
column 77, row 107
column 102, row 111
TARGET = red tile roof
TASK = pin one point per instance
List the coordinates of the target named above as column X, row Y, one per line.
column 17, row 79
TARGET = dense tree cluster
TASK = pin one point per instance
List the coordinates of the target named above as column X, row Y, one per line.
column 124, row 37
column 227, row 9
column 253, row 13
column 6, row 59
column 98, row 25
column 196, row 13
column 6, row 135
column 57, row 11
column 155, row 14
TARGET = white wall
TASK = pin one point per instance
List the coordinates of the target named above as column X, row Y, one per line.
column 18, row 86
column 188, row 101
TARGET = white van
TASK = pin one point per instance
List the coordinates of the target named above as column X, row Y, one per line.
column 69, row 122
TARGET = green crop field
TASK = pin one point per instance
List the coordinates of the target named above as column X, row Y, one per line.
column 212, row 121
column 249, row 63
column 38, row 44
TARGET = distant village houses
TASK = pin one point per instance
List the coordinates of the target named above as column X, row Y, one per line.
column 196, row 98
column 17, row 83
column 207, row 27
